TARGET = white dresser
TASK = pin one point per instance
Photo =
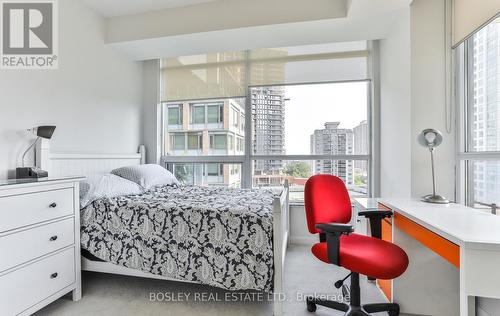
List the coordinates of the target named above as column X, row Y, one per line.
column 39, row 243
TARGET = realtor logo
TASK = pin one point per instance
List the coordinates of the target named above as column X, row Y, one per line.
column 29, row 34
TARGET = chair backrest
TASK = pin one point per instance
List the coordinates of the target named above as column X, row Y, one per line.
column 326, row 201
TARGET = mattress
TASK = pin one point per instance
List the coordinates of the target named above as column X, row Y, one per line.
column 209, row 235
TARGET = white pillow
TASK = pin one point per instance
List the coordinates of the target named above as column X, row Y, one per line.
column 147, row 176
column 109, row 185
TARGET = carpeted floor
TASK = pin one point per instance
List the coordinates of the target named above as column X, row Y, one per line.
column 110, row 295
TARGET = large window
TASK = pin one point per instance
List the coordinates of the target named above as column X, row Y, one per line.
column 265, row 117
column 478, row 94
column 307, row 129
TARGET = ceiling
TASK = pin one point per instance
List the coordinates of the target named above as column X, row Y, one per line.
column 140, row 29
column 110, row 8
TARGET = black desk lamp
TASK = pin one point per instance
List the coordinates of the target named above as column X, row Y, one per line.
column 35, row 172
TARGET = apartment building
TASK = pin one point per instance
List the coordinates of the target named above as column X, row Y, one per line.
column 268, row 115
column 333, row 140
column 486, row 117
column 217, row 128
column 361, row 136
column 214, row 128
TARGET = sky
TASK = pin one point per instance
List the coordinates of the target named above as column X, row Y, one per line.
column 310, row 106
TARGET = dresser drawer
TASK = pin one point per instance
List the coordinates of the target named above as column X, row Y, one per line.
column 29, row 285
column 32, row 243
column 26, row 209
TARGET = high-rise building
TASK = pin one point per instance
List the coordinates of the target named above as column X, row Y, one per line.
column 360, row 145
column 486, row 109
column 268, row 115
column 202, row 129
column 361, row 138
column 333, row 140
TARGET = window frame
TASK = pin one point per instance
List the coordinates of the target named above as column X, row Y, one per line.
column 220, row 112
column 247, row 159
column 180, row 118
column 221, row 134
column 466, row 156
column 173, row 141
column 199, row 140
column 192, row 109
column 219, row 167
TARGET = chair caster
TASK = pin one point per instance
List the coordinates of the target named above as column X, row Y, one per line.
column 394, row 313
column 311, row 307
column 391, row 308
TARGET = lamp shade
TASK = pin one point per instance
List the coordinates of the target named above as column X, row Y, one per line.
column 430, row 138
column 43, row 131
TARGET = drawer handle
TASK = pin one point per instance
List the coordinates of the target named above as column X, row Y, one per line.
column 53, row 205
column 53, row 238
column 53, row 275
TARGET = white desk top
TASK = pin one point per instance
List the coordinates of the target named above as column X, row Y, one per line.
column 367, row 203
column 460, row 224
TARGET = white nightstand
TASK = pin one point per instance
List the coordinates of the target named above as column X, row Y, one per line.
column 39, row 243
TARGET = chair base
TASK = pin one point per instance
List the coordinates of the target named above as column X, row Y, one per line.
column 365, row 310
column 354, row 308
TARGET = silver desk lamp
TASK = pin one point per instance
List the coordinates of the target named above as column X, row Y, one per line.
column 431, row 138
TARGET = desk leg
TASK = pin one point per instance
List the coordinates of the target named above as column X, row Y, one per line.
column 467, row 305
column 467, row 302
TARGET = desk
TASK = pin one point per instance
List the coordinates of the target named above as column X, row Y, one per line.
column 454, row 256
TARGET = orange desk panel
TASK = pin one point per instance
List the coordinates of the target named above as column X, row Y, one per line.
column 386, row 285
column 387, row 229
column 441, row 246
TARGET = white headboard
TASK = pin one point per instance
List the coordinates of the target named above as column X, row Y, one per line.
column 61, row 164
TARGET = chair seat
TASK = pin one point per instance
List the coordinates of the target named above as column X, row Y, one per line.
column 367, row 255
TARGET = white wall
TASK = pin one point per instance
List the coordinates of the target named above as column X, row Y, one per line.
column 395, row 148
column 94, row 98
column 151, row 116
column 299, row 234
column 428, row 98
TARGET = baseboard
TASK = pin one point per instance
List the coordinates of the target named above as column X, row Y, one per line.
column 303, row 240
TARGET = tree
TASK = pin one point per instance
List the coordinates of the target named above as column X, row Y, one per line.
column 298, row 169
column 184, row 173
column 359, row 180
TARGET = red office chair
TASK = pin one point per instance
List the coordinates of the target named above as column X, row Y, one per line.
column 328, row 210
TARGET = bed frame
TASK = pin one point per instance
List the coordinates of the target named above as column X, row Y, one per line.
column 83, row 164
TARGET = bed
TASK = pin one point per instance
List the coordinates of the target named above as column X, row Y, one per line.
column 256, row 220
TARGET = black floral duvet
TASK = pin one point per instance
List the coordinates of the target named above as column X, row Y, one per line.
column 211, row 235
